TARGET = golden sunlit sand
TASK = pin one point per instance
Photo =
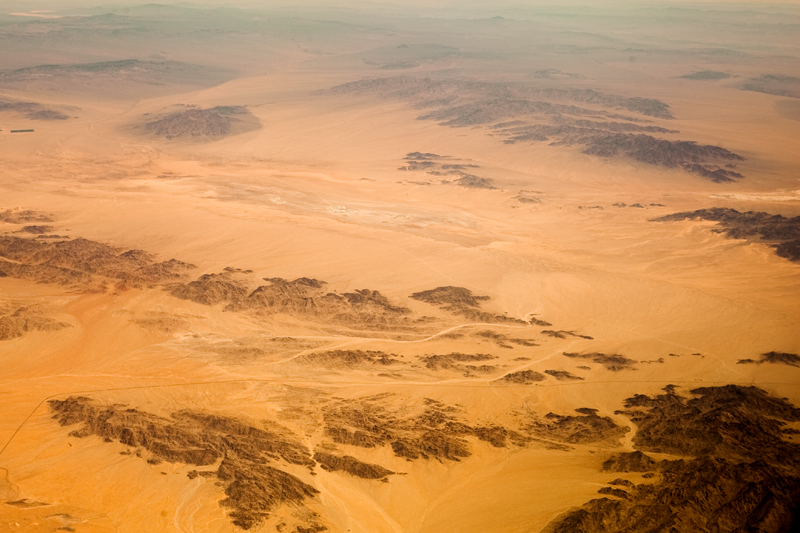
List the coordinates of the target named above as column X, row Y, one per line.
column 238, row 291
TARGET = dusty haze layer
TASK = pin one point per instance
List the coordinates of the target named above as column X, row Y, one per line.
column 380, row 268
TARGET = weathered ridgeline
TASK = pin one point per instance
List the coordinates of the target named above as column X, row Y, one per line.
column 600, row 124
column 713, row 459
column 782, row 233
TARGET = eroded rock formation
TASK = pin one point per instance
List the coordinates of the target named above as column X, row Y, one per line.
column 782, row 232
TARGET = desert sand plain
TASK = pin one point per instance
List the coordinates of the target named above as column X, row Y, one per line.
column 354, row 269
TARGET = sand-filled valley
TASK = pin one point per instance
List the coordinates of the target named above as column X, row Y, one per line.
column 390, row 269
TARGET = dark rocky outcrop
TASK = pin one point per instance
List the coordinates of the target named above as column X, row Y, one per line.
column 351, row 465
column 32, row 110
column 249, row 458
column 522, row 377
column 777, row 84
column 491, row 101
column 619, row 493
column 24, row 216
column 461, row 301
column 704, row 494
column 79, row 261
column 776, row 358
column 613, row 362
column 782, row 232
column 348, row 359
column 450, row 297
column 622, row 482
column 455, row 362
column 432, row 431
column 22, row 320
column 37, row 229
column 562, row 375
column 146, row 71
column 304, row 297
column 212, row 289
column 504, row 341
column 731, row 421
column 630, row 462
column 307, row 297
column 699, row 159
column 561, row 116
column 561, row 334
column 449, row 171
column 706, row 75
column 745, row 476
column 214, row 122
column 630, row 141
column 586, row 427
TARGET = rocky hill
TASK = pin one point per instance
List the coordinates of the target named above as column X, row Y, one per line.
column 780, row 231
column 742, row 474
column 558, row 115
column 214, row 122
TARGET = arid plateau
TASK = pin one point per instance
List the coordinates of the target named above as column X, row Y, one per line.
column 387, row 268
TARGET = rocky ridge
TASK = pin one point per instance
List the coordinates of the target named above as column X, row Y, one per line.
column 737, row 466
column 83, row 264
column 742, row 473
column 559, row 116
column 433, row 431
column 461, row 301
column 585, row 427
column 18, row 321
column 522, row 377
column 80, row 262
column 304, row 297
column 613, row 362
column 446, row 171
column 776, row 358
column 214, row 122
column 777, row 84
column 24, row 216
column 249, row 461
column 782, row 232
column 455, row 362
column 32, row 110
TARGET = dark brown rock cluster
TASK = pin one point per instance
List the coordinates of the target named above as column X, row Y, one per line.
column 348, row 359
column 80, row 261
column 32, row 110
column 742, row 473
column 613, row 362
column 24, row 216
column 561, row 116
column 197, row 122
column 452, row 171
column 563, row 375
column 456, row 362
column 475, row 102
column 561, row 334
column 522, row 377
column 585, row 427
column 780, row 231
column 351, row 465
column 249, row 459
column 504, row 341
column 775, row 358
column 777, row 84
column 22, row 320
column 461, row 301
column 304, row 297
column 435, row 431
